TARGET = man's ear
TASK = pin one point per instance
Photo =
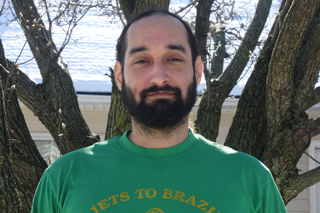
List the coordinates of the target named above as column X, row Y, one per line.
column 198, row 69
column 118, row 74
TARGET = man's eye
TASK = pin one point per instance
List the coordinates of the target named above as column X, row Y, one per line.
column 141, row 62
column 175, row 59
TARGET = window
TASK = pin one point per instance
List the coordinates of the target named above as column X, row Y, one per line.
column 47, row 147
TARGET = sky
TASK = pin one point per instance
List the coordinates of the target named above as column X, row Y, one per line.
column 90, row 57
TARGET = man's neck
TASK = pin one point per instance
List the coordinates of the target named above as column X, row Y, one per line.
column 155, row 139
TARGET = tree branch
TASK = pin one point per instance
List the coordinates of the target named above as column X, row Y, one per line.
column 35, row 32
column 232, row 73
column 306, row 71
column 315, row 98
column 118, row 13
column 26, row 88
column 314, row 127
column 193, row 3
column 219, row 51
column 280, row 83
column 209, row 112
column 127, row 7
column 301, row 182
column 201, row 32
column 2, row 7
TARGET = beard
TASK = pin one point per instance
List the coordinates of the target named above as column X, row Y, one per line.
column 161, row 114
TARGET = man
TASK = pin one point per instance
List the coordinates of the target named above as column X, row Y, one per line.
column 159, row 166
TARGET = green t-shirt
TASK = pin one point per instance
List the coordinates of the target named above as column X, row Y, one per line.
column 120, row 177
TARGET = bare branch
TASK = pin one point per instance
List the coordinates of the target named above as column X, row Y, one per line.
column 72, row 24
column 315, row 160
column 50, row 27
column 235, row 68
column 191, row 4
column 118, row 13
column 1, row 10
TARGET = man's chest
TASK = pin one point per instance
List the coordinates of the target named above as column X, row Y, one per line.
column 153, row 191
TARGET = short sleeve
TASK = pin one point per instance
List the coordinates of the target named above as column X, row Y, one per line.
column 271, row 198
column 45, row 199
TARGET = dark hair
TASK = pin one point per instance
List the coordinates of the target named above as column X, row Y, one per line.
column 122, row 43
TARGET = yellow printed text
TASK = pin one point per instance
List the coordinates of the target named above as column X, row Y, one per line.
column 112, row 200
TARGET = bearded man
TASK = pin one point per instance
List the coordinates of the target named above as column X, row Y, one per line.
column 159, row 166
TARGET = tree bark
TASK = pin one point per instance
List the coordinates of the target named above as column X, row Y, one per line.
column 115, row 125
column 219, row 40
column 284, row 99
column 247, row 132
column 27, row 163
column 268, row 116
column 9, row 198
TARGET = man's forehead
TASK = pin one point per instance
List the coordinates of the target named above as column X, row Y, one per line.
column 157, row 16
column 155, row 26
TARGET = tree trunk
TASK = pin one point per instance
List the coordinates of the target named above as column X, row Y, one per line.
column 287, row 121
column 9, row 198
column 270, row 118
column 116, row 126
column 27, row 163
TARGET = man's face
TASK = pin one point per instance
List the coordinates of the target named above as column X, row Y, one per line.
column 158, row 81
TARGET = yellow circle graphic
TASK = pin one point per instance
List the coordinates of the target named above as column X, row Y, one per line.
column 155, row 210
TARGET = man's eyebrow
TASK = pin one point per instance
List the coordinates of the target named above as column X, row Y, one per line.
column 137, row 49
column 177, row 47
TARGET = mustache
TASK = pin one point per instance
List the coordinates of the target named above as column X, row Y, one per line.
column 166, row 88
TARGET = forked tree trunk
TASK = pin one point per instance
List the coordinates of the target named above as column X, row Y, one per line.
column 54, row 101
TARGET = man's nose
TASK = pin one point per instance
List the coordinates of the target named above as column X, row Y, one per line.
column 158, row 74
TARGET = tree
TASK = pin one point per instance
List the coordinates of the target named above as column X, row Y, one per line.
column 270, row 116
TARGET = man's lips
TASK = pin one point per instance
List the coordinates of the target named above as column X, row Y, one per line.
column 160, row 94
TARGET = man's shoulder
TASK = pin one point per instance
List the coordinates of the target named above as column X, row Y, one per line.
column 87, row 153
column 230, row 157
column 96, row 148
